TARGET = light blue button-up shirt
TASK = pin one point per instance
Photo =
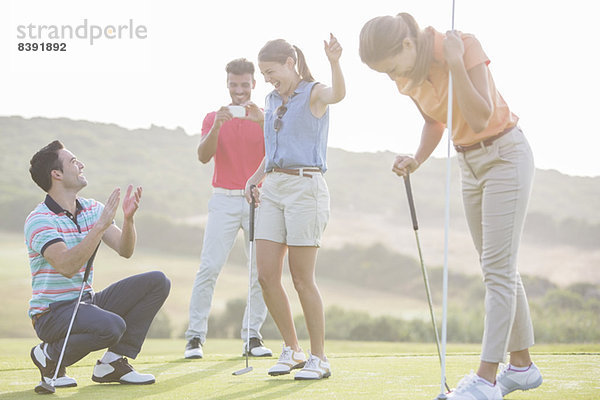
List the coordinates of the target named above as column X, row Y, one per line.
column 302, row 138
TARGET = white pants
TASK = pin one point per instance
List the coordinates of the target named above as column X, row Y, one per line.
column 226, row 215
column 496, row 186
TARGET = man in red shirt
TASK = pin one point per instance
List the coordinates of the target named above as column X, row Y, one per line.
column 237, row 146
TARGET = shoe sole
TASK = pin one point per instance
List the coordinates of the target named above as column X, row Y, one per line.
column 262, row 355
column 325, row 376
column 100, row 380
column 65, row 386
column 193, row 357
column 297, row 366
column 278, row 373
column 138, row 383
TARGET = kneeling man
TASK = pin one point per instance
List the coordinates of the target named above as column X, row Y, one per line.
column 62, row 234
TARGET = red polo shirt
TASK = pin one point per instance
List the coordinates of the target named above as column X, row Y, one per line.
column 240, row 150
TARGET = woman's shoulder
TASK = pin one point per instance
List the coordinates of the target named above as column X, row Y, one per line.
column 474, row 53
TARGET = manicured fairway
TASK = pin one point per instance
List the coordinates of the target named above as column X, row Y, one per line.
column 360, row 371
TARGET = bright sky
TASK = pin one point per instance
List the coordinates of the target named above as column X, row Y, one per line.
column 542, row 55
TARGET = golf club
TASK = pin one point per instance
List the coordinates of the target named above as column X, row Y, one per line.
column 442, row 395
column 413, row 215
column 251, row 254
column 46, row 388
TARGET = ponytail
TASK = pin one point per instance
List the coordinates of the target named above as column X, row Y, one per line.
column 303, row 67
column 424, row 43
column 279, row 50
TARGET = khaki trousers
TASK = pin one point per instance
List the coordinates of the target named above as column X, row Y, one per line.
column 227, row 214
column 496, row 186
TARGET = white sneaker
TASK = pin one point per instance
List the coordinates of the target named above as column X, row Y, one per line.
column 288, row 360
column 510, row 379
column 315, row 368
column 473, row 387
column 257, row 349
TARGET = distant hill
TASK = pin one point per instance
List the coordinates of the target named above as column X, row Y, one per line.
column 164, row 162
column 368, row 201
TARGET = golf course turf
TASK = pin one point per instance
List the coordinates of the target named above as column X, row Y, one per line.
column 361, row 370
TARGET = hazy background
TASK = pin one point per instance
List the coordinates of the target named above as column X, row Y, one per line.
column 367, row 268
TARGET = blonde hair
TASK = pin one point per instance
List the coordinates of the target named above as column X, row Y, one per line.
column 382, row 37
column 279, row 50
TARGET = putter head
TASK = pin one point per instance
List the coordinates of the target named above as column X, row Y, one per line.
column 44, row 388
column 441, row 396
column 243, row 371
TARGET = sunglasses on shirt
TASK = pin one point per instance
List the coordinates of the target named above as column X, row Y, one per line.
column 278, row 123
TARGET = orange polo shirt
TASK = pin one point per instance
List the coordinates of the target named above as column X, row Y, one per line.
column 432, row 94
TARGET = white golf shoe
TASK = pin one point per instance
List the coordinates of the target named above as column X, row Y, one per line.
column 193, row 349
column 513, row 378
column 473, row 387
column 288, row 360
column 314, row 369
column 47, row 368
column 257, row 348
column 120, row 371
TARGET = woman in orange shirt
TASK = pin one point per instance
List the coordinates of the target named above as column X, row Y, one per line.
column 497, row 172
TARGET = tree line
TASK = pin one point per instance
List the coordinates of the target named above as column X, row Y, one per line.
column 567, row 315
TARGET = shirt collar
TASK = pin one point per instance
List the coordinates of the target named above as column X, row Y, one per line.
column 303, row 86
column 438, row 45
column 57, row 209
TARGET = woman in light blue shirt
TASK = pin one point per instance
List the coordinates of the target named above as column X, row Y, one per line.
column 294, row 199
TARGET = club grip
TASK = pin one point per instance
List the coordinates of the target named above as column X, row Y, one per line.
column 252, row 208
column 411, row 203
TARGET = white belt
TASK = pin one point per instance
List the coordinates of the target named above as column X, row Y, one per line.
column 229, row 192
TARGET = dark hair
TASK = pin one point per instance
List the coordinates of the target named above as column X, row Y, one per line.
column 240, row 66
column 44, row 162
column 279, row 50
column 383, row 37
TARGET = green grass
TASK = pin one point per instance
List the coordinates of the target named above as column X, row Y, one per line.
column 360, row 371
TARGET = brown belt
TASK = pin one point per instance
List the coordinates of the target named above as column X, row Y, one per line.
column 37, row 316
column 483, row 143
column 298, row 172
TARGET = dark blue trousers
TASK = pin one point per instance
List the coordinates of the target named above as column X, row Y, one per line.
column 116, row 318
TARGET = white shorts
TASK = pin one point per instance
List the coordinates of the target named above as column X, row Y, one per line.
column 293, row 210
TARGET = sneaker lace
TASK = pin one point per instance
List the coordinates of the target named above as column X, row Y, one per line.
column 124, row 364
column 286, row 353
column 503, row 371
column 312, row 363
column 194, row 343
column 466, row 382
column 255, row 342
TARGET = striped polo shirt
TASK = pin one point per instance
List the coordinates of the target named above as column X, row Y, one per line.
column 49, row 223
